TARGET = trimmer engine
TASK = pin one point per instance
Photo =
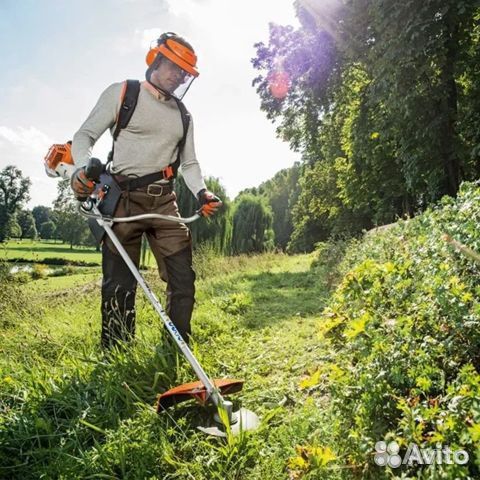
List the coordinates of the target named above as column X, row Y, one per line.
column 58, row 161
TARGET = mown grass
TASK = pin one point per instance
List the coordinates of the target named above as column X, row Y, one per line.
column 67, row 411
column 39, row 251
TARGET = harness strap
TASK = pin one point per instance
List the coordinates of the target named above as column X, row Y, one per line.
column 139, row 182
column 129, row 102
column 127, row 108
column 129, row 97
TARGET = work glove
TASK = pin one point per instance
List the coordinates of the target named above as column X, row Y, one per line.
column 82, row 186
column 209, row 202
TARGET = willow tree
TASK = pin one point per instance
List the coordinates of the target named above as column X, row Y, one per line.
column 251, row 225
column 215, row 230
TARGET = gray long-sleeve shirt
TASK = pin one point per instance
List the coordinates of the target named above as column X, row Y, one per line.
column 150, row 141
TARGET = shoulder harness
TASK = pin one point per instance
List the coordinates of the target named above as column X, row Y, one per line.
column 130, row 93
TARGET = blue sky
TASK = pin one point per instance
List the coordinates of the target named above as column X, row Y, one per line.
column 58, row 56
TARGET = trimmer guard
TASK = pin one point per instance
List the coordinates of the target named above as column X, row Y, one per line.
column 196, row 390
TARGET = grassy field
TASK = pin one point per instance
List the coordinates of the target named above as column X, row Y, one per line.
column 69, row 412
column 54, row 253
column 37, row 251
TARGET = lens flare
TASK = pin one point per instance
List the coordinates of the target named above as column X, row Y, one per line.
column 279, row 84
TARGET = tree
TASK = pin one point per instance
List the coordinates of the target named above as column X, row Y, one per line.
column 281, row 193
column 72, row 227
column 47, row 230
column 386, row 96
column 14, row 190
column 251, row 225
column 214, row 230
column 415, row 53
column 42, row 214
column 13, row 229
column 27, row 224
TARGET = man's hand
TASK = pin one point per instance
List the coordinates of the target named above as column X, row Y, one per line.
column 82, row 187
column 209, row 202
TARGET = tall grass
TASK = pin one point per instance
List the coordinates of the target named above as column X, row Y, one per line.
column 69, row 411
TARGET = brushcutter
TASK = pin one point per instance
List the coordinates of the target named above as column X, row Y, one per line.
column 205, row 391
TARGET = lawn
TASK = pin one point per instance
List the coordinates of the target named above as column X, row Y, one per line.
column 38, row 251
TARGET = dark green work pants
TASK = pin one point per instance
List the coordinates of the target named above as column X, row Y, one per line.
column 170, row 243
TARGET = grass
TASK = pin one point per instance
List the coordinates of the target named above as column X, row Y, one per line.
column 38, row 251
column 394, row 355
column 69, row 412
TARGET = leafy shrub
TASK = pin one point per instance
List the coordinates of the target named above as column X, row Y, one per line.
column 329, row 257
column 404, row 326
column 39, row 271
column 22, row 277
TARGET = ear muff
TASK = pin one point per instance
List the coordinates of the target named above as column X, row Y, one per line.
column 152, row 55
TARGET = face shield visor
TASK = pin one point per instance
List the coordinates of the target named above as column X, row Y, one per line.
column 173, row 79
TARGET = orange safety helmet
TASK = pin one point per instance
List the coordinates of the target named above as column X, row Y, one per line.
column 181, row 55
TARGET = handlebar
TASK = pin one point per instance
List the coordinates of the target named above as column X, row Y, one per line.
column 86, row 208
column 94, row 169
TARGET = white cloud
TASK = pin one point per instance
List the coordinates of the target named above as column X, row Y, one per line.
column 26, row 148
column 29, row 139
column 148, row 37
column 185, row 7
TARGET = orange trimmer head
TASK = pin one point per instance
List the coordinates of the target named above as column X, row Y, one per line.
column 235, row 421
column 196, row 391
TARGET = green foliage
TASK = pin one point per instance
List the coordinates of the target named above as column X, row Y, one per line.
column 13, row 193
column 42, row 214
column 71, row 226
column 215, row 230
column 403, row 326
column 27, row 224
column 251, row 225
column 47, row 230
column 39, row 271
column 281, row 193
column 384, row 95
column 13, row 228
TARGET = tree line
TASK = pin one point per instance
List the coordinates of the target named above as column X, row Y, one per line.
column 382, row 99
column 58, row 223
column 248, row 224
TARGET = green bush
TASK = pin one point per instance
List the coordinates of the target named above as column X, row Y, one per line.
column 39, row 271
column 404, row 326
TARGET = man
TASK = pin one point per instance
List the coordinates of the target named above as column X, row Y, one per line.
column 144, row 158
